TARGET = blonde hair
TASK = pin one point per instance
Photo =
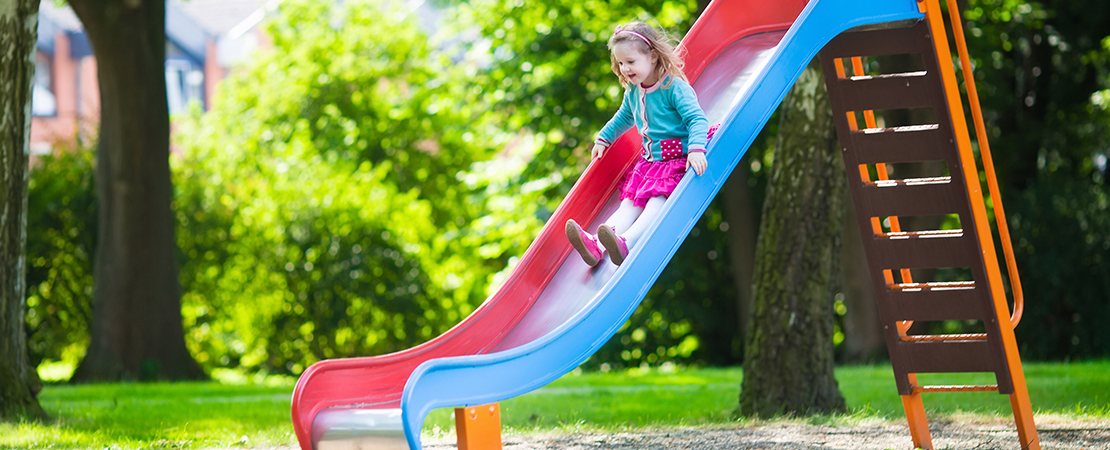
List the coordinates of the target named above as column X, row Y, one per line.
column 649, row 42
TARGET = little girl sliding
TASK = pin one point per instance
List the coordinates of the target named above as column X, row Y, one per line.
column 660, row 103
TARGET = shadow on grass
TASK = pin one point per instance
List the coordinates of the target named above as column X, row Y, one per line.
column 211, row 414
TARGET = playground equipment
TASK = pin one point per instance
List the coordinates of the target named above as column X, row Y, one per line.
column 891, row 249
column 553, row 312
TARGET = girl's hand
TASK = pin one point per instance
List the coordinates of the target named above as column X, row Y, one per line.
column 697, row 161
column 597, row 151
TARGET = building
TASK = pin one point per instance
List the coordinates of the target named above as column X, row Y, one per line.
column 204, row 40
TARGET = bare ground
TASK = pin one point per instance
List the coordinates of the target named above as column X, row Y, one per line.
column 952, row 432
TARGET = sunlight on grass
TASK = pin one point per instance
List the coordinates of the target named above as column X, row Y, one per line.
column 252, row 411
column 163, row 415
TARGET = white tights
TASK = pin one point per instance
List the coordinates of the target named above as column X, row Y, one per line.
column 630, row 221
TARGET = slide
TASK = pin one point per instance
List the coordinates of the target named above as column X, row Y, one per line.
column 554, row 311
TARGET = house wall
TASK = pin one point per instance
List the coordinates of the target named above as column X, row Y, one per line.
column 76, row 96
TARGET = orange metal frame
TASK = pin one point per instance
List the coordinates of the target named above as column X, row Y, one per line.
column 1019, row 400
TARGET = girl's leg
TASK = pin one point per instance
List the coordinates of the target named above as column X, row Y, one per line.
column 643, row 221
column 618, row 245
column 621, row 220
column 587, row 244
column 624, row 216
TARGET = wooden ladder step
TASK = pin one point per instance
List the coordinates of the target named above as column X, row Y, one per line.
column 905, row 199
column 894, row 42
column 932, row 305
column 945, row 337
column 892, row 91
column 949, row 250
column 940, row 356
column 908, row 182
column 922, row 234
column 968, row 388
column 908, row 144
column 932, row 286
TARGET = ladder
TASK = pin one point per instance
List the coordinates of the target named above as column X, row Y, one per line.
column 893, row 254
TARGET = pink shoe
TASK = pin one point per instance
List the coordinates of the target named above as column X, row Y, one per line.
column 584, row 242
column 616, row 245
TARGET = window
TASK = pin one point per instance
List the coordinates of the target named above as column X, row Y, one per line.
column 43, row 102
column 184, row 84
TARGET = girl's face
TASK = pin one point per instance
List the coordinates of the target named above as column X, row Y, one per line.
column 638, row 68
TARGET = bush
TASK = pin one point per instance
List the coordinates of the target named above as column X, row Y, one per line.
column 338, row 199
column 61, row 244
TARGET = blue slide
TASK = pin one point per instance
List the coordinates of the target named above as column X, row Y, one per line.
column 743, row 56
column 742, row 107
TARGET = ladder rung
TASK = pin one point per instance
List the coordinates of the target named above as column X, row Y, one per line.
column 922, row 234
column 918, row 199
column 945, row 337
column 897, row 91
column 914, row 39
column 908, row 144
column 932, row 286
column 968, row 388
column 902, row 129
column 909, row 182
column 919, row 73
column 951, row 251
column 929, row 305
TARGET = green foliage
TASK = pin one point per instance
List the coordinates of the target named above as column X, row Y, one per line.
column 550, row 72
column 61, row 243
column 1063, row 241
column 1041, row 69
column 336, row 200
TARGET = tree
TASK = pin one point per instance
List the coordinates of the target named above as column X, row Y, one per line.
column 136, row 331
column 19, row 383
column 338, row 198
column 788, row 365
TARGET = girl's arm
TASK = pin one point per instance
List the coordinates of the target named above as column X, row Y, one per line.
column 686, row 102
column 621, row 122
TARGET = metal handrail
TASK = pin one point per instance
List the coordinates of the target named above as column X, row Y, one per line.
column 988, row 162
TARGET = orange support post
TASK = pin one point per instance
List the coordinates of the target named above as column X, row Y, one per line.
column 479, row 427
column 915, row 415
column 1019, row 400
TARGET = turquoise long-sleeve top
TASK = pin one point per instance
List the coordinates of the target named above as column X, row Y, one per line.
column 660, row 114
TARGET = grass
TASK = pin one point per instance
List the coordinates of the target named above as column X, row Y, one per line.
column 252, row 415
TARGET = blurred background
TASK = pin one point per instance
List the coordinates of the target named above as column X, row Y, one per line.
column 354, row 177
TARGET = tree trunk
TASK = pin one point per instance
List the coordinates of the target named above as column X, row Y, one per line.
column 136, row 331
column 788, row 365
column 741, row 236
column 19, row 382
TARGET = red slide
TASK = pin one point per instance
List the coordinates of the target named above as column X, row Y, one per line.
column 504, row 321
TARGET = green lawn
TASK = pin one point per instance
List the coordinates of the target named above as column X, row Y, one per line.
column 195, row 415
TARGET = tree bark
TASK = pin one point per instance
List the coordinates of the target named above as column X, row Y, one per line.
column 741, row 235
column 136, row 331
column 788, row 365
column 19, row 382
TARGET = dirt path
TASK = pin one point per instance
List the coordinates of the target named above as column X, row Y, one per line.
column 1054, row 433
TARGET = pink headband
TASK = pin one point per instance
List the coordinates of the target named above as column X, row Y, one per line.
column 646, row 41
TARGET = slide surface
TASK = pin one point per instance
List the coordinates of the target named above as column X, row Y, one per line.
column 554, row 311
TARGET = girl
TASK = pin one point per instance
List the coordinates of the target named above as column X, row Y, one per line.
column 659, row 101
